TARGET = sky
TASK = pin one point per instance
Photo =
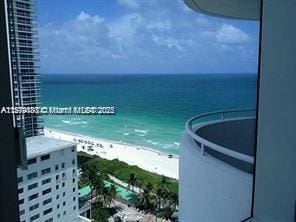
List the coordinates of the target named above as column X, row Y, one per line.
column 141, row 36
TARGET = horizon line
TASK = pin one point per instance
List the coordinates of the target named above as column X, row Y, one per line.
column 92, row 73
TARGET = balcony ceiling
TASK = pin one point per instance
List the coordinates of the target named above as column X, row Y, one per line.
column 236, row 9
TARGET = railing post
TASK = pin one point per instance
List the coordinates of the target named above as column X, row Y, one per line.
column 202, row 148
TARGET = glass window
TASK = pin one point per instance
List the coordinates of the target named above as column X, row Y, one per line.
column 32, row 175
column 32, row 186
column 33, row 207
column 32, row 197
column 56, row 167
column 20, row 179
column 35, row 217
column 20, row 190
column 44, row 192
column 22, row 212
column 48, row 180
column 32, row 161
column 45, row 157
column 45, row 171
column 21, row 201
column 47, row 201
column 47, row 211
column 63, row 165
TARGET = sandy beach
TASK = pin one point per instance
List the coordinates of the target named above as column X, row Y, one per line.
column 144, row 157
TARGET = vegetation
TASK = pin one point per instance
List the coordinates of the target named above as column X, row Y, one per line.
column 159, row 194
column 123, row 171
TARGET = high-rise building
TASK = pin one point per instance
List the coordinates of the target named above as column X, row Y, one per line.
column 48, row 189
column 23, row 45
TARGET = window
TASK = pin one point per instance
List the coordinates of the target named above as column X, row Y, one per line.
column 32, row 197
column 45, row 157
column 35, row 217
column 74, row 171
column 22, row 212
column 47, row 211
column 73, row 161
column 47, row 201
column 20, row 179
column 74, row 208
column 64, row 194
column 32, row 175
column 58, row 196
column 58, row 206
column 74, row 198
column 63, row 165
column 49, row 220
column 59, row 215
column 32, row 186
column 20, row 190
column 48, row 180
column 45, row 171
column 21, row 201
column 73, row 149
column 56, row 167
column 33, row 207
column 64, row 203
column 64, row 213
column 73, row 180
column 32, row 161
column 74, row 189
column 57, row 177
column 44, row 192
column 63, row 175
column 57, row 187
column 63, row 184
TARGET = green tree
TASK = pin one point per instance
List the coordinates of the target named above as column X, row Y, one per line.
column 109, row 195
column 147, row 198
column 132, row 181
column 89, row 176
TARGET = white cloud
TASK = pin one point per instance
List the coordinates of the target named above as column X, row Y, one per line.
column 132, row 4
column 229, row 34
column 161, row 26
column 147, row 40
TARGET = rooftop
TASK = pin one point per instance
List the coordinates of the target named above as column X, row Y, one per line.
column 39, row 145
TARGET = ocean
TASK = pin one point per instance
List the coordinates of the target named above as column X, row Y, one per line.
column 151, row 109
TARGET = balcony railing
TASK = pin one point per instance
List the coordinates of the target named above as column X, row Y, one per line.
column 219, row 116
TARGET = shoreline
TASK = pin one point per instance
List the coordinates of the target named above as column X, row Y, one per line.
column 144, row 157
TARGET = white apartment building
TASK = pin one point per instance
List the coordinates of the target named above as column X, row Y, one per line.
column 48, row 189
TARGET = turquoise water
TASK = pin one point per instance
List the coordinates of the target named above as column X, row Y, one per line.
column 151, row 109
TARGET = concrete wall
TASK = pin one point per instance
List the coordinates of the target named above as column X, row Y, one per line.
column 275, row 184
column 209, row 189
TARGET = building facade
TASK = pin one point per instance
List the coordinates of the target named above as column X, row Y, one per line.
column 23, row 46
column 48, row 189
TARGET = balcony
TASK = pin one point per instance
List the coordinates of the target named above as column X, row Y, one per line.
column 216, row 166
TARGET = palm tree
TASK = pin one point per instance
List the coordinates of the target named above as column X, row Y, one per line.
column 147, row 198
column 90, row 175
column 109, row 195
column 132, row 181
